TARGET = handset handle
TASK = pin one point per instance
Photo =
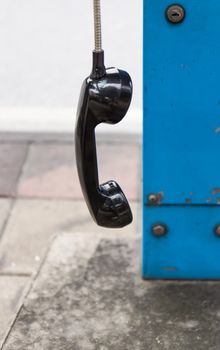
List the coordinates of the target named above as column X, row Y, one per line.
column 105, row 98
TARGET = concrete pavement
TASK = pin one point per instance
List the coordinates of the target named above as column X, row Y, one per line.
column 40, row 197
column 89, row 295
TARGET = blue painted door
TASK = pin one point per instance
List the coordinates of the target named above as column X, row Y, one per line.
column 182, row 140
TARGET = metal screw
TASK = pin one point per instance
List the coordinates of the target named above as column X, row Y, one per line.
column 175, row 14
column 217, row 230
column 152, row 198
column 159, row 230
column 155, row 198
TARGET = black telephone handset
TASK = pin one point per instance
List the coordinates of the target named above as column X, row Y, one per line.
column 104, row 99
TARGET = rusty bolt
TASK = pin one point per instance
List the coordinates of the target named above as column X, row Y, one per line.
column 175, row 14
column 217, row 230
column 159, row 230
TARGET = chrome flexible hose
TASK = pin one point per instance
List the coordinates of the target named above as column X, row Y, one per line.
column 97, row 25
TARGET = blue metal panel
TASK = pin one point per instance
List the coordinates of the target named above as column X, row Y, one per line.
column 182, row 102
column 182, row 139
column 189, row 250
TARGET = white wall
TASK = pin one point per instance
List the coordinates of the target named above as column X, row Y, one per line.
column 46, row 53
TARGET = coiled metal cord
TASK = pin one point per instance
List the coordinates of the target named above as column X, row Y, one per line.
column 97, row 25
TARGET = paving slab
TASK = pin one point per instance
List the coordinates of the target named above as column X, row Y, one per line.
column 89, row 295
column 32, row 224
column 12, row 289
column 12, row 157
column 50, row 170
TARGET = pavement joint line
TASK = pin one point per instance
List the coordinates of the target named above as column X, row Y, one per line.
column 22, row 168
column 56, row 199
column 33, row 139
column 15, row 274
column 5, row 223
column 7, row 196
column 70, row 143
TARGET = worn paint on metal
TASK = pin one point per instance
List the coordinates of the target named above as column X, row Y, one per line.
column 215, row 191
